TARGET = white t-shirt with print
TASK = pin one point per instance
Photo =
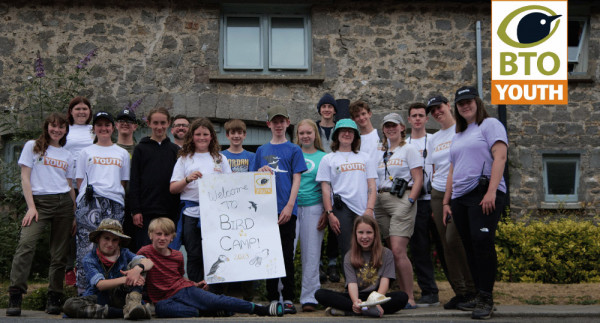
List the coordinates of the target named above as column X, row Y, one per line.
column 438, row 148
column 49, row 173
column 79, row 137
column 420, row 145
column 105, row 168
column 348, row 173
column 205, row 164
column 403, row 159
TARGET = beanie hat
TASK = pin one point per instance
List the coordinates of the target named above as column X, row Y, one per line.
column 326, row 98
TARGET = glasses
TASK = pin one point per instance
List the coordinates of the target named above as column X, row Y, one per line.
column 181, row 125
column 126, row 121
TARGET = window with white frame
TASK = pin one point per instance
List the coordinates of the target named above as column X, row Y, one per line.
column 578, row 44
column 561, row 177
column 265, row 43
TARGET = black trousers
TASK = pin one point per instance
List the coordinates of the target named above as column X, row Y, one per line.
column 478, row 234
column 287, row 233
column 342, row 301
column 425, row 234
column 192, row 239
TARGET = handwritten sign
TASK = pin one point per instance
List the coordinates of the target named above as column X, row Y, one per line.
column 240, row 235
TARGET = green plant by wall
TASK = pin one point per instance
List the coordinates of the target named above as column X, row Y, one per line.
column 561, row 251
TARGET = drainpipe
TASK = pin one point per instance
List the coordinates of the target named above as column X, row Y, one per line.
column 501, row 108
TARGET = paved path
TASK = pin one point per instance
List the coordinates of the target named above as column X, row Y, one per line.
column 505, row 313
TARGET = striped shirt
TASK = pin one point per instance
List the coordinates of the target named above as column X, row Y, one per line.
column 165, row 279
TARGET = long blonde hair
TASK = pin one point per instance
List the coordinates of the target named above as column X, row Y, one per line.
column 318, row 145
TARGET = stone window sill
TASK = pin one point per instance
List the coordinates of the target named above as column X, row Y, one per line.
column 581, row 78
column 236, row 78
column 560, row 205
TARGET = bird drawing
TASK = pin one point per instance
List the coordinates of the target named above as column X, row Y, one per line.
column 211, row 276
column 258, row 258
column 534, row 27
column 252, row 205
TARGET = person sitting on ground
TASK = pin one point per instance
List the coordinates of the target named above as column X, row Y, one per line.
column 115, row 278
column 176, row 296
column 368, row 266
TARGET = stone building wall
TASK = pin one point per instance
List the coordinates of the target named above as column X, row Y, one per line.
column 388, row 53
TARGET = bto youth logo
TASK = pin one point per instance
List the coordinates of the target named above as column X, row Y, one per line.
column 529, row 52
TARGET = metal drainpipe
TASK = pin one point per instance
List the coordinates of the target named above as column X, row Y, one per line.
column 501, row 108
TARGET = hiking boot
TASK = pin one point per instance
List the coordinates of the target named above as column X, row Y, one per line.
column 371, row 311
column 14, row 302
column 332, row 272
column 53, row 303
column 428, row 300
column 468, row 304
column 148, row 309
column 453, row 302
column 485, row 306
column 133, row 309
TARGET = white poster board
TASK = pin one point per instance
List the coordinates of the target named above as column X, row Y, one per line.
column 240, row 235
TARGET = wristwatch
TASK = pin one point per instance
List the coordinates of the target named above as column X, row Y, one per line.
column 411, row 201
column 141, row 266
column 329, row 212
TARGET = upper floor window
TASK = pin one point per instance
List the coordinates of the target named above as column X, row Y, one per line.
column 578, row 37
column 561, row 177
column 273, row 42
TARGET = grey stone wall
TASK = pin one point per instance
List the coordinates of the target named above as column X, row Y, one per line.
column 386, row 53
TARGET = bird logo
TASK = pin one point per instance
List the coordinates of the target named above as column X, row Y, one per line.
column 532, row 29
column 252, row 205
column 212, row 273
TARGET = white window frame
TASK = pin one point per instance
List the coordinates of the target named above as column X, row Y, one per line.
column 578, row 55
column 265, row 14
column 561, row 158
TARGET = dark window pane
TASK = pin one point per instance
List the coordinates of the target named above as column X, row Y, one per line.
column 561, row 177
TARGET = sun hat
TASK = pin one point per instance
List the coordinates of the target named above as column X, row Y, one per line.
column 111, row 226
column 394, row 118
column 345, row 123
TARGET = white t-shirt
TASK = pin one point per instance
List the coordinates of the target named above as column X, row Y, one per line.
column 399, row 164
column 348, row 173
column 420, row 145
column 49, row 173
column 205, row 164
column 438, row 148
column 105, row 167
column 79, row 137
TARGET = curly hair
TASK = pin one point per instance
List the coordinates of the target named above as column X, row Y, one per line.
column 42, row 142
column 75, row 101
column 313, row 125
column 356, row 258
column 189, row 147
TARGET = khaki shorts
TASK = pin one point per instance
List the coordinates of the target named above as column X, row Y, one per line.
column 395, row 216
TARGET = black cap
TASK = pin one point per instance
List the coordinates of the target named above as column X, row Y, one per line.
column 105, row 115
column 126, row 114
column 436, row 100
column 465, row 93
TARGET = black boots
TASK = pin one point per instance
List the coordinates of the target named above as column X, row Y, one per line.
column 53, row 304
column 485, row 306
column 14, row 302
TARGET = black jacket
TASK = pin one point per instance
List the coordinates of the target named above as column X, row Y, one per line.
column 151, row 170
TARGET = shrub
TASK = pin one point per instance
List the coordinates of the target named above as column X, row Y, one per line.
column 561, row 251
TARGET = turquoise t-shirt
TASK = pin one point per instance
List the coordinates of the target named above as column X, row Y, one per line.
column 310, row 190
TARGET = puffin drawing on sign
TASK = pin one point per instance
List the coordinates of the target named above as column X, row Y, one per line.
column 212, row 273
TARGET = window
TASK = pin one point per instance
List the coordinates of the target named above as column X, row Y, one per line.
column 561, row 177
column 578, row 45
column 265, row 41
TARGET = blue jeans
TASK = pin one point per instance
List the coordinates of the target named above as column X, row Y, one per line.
column 193, row 301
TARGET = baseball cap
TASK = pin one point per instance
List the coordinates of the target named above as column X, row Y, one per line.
column 465, row 93
column 394, row 118
column 126, row 114
column 277, row 110
column 105, row 115
column 436, row 100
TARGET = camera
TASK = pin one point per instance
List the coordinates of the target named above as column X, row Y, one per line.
column 484, row 183
column 399, row 186
column 337, row 201
column 89, row 192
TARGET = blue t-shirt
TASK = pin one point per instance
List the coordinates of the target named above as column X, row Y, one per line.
column 285, row 160
column 310, row 190
column 239, row 162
